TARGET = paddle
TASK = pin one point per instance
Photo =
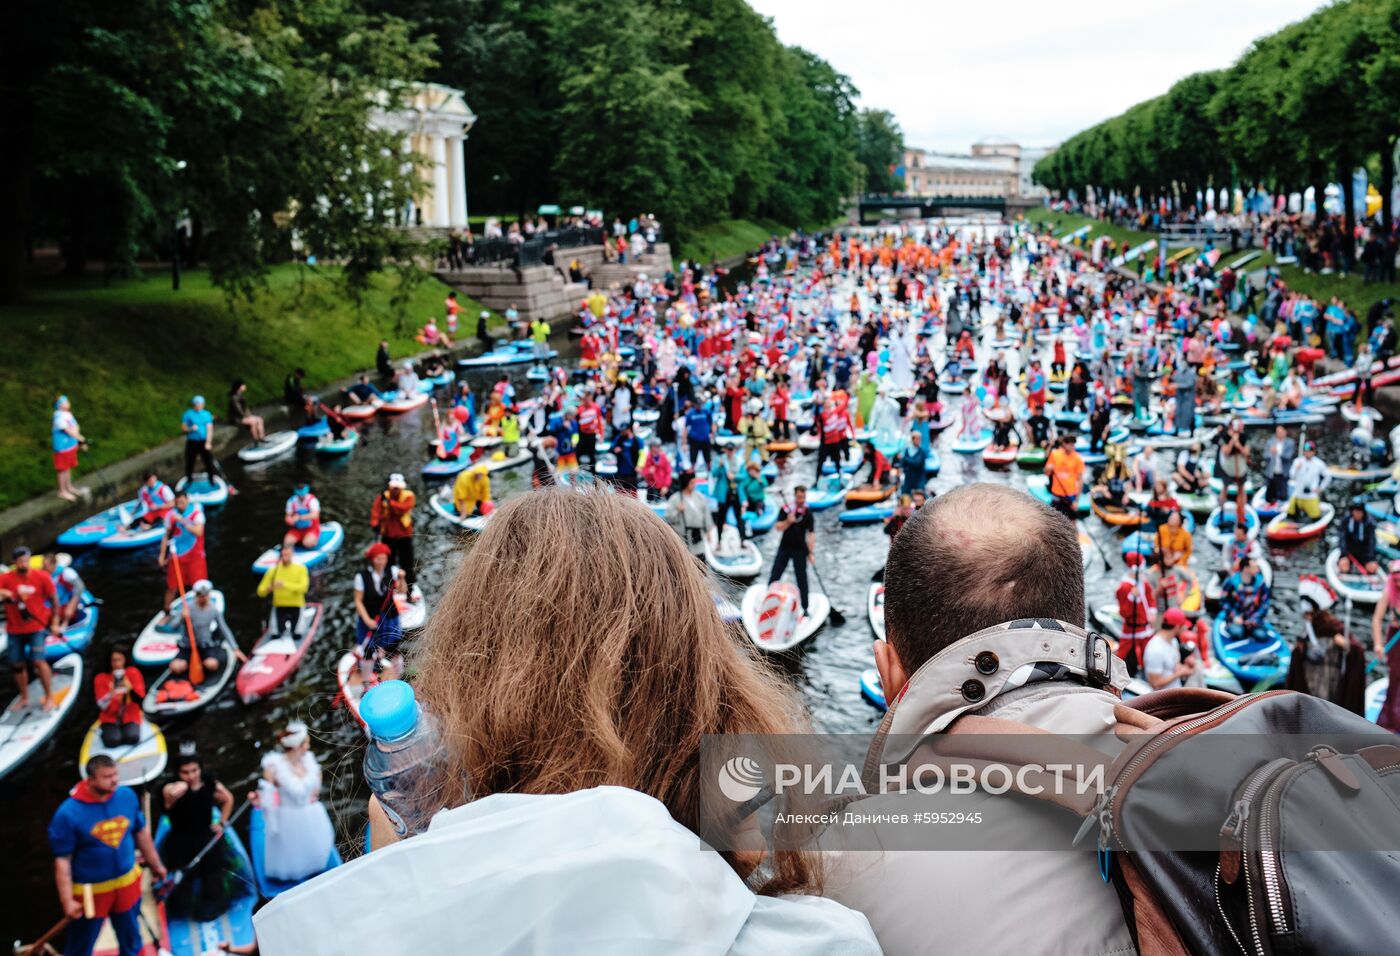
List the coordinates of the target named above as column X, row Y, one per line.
column 196, row 671
column 41, row 945
column 1097, row 546
column 1388, row 646
column 837, row 617
column 167, row 886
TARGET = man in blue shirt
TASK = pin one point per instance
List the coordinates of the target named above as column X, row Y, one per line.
column 697, row 434
column 94, row 836
column 198, row 425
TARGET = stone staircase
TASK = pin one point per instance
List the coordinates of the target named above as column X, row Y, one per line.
column 654, row 265
column 534, row 291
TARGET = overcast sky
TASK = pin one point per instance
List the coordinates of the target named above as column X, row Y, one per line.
column 1036, row 72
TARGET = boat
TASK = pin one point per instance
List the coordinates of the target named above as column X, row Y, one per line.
column 270, row 886
column 1353, row 414
column 104, row 524
column 972, row 444
column 413, row 609
column 1359, row 588
column 394, row 405
column 867, row 494
column 1376, row 693
column 278, row 443
column 1214, row 592
column 350, row 684
column 743, row 561
column 128, row 533
column 1118, row 515
column 1266, row 509
column 211, row 687
column 137, row 763
column 828, row 492
column 768, row 638
column 869, row 514
column 313, row 431
column 441, row 504
column 1032, row 456
column 1220, row 525
column 276, row 656
column 871, row 688
column 1258, row 662
column 332, row 537
column 1284, row 529
column 330, row 445
column 999, row 457
column 209, row 492
column 875, row 608
column 23, row 730
column 190, row 937
column 1039, row 488
column 358, row 412
column 155, row 646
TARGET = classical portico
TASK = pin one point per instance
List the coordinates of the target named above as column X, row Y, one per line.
column 434, row 122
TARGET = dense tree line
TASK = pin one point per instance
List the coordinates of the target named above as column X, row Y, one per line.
column 250, row 119
column 1302, row 107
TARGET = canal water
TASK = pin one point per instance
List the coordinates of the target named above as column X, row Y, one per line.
column 232, row 736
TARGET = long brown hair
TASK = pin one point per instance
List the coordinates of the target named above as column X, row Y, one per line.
column 579, row 646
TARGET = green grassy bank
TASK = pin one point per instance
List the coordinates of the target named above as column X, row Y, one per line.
column 734, row 237
column 131, row 354
column 1350, row 289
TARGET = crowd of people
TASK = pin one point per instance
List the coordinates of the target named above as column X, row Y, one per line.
column 573, row 714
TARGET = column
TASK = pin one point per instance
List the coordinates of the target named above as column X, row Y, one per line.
column 441, row 182
column 457, row 163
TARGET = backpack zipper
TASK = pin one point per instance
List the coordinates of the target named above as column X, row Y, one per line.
column 1236, row 830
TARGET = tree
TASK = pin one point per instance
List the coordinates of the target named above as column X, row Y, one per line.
column 879, row 149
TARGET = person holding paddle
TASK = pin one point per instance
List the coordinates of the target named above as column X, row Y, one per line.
column 286, row 582
column 182, row 547
column 1232, row 464
column 210, row 631
column 94, row 836
column 1358, row 544
column 29, row 596
column 189, row 801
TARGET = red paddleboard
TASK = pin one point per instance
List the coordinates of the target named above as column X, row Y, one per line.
column 358, row 413
column 276, row 656
column 779, row 613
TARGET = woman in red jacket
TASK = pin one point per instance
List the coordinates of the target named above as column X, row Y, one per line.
column 119, row 690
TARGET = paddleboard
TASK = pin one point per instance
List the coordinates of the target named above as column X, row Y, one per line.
column 441, row 504
column 781, row 628
column 276, row 656
column 155, row 645
column 212, row 686
column 332, row 537
column 90, row 531
column 278, row 443
column 209, row 492
column 270, row 886
column 23, row 730
column 137, row 763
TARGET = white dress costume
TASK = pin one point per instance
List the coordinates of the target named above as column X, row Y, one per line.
column 299, row 830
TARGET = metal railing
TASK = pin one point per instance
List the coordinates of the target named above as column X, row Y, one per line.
column 533, row 250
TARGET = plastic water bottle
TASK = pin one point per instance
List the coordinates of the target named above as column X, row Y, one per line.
column 402, row 759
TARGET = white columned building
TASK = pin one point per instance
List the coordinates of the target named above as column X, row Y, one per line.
column 434, row 121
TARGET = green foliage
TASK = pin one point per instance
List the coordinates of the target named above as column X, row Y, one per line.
column 879, row 147
column 141, row 353
column 1301, row 107
column 250, row 118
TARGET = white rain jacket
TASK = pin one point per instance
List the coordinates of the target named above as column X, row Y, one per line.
column 598, row 871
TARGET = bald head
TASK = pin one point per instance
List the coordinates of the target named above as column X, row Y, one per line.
column 978, row 556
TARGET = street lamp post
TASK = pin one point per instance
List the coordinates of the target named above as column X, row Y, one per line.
column 175, row 242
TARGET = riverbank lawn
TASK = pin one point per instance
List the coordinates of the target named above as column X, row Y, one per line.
column 130, row 355
column 1350, row 289
column 735, row 237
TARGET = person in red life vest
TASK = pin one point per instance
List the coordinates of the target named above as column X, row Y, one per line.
column 833, row 430
column 183, row 546
column 964, row 346
column 733, row 402
column 94, row 836
column 590, row 430
column 29, row 596
column 119, row 690
column 1135, row 606
column 1057, row 360
column 156, row 500
column 778, row 404
column 303, row 517
column 589, row 347
column 453, row 308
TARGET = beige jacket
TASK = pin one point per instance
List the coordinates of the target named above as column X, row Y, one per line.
column 963, row 890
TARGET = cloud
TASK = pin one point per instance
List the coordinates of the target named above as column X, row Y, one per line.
column 1034, row 72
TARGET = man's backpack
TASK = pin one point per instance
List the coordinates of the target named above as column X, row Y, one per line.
column 1261, row 824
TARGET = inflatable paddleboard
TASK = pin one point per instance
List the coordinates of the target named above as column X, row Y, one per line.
column 155, row 645
column 773, row 619
column 441, row 504
column 90, row 531
column 137, row 763
column 205, row 692
column 1360, row 587
column 1283, row 529
column 332, row 537
column 871, row 688
column 1220, row 525
column 270, row 886
column 278, row 443
column 23, row 730
column 326, row 445
column 276, row 656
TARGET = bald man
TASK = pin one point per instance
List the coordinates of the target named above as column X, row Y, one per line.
column 984, row 601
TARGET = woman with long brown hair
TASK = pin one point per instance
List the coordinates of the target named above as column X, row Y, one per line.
column 573, row 669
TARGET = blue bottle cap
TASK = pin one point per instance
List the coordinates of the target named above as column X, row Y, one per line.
column 389, row 709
